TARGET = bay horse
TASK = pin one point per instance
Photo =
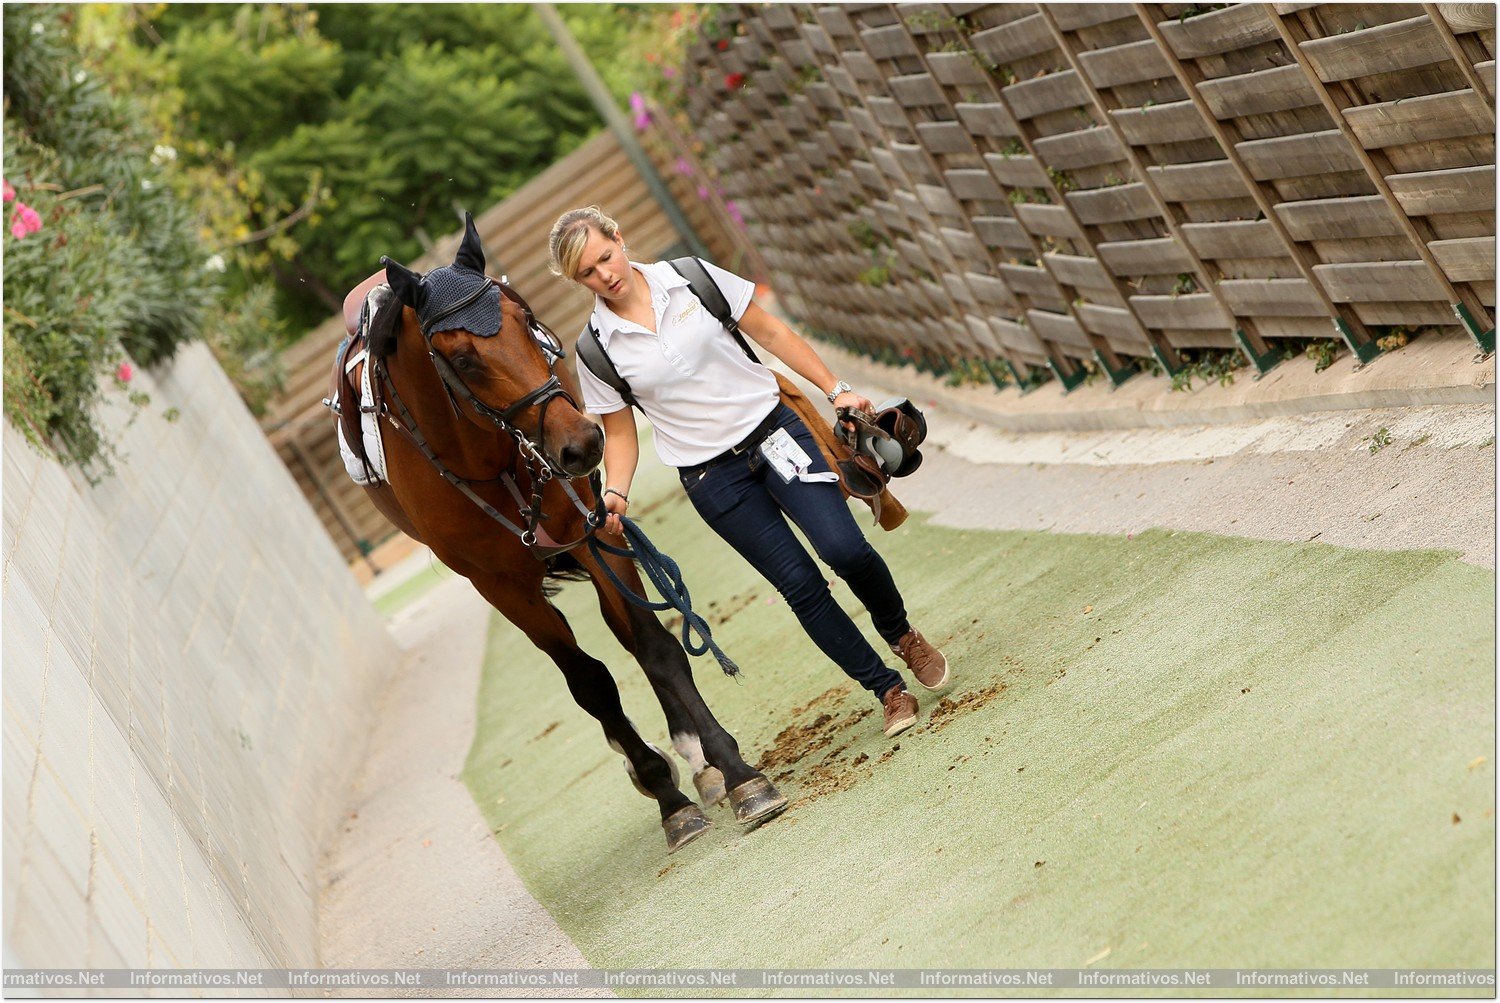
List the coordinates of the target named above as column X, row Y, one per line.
column 464, row 373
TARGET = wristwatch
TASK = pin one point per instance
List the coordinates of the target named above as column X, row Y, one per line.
column 838, row 388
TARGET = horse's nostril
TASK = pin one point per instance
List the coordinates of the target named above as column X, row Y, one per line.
column 579, row 458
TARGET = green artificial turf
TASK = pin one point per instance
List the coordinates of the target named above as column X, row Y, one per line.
column 1172, row 750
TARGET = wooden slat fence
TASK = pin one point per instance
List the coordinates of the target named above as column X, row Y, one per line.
column 1018, row 186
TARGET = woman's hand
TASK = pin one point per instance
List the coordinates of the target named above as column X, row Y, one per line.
column 615, row 504
column 851, row 399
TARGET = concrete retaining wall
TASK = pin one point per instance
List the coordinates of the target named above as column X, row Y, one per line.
column 189, row 670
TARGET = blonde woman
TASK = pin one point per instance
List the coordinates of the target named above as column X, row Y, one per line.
column 712, row 407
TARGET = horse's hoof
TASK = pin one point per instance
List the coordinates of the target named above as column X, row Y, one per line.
column 671, row 764
column 683, row 826
column 710, row 784
column 756, row 801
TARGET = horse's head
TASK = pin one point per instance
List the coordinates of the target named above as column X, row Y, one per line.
column 494, row 361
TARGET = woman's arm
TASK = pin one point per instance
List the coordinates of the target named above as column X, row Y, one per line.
column 622, row 451
column 790, row 347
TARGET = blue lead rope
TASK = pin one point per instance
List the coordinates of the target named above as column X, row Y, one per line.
column 666, row 576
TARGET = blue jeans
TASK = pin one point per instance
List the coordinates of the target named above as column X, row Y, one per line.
column 747, row 503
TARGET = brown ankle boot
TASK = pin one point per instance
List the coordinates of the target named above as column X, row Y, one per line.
column 925, row 662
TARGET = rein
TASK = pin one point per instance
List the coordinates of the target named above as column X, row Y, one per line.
column 667, row 577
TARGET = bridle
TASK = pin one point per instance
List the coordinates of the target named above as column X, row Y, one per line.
column 539, row 468
column 543, row 395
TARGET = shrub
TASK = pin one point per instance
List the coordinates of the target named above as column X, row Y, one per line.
column 115, row 267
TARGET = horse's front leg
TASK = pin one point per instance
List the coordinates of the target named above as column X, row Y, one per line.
column 697, row 735
column 594, row 689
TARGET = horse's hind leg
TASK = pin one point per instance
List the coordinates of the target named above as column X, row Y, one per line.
column 593, row 688
column 697, row 735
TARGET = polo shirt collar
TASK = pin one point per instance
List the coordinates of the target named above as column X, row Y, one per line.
column 661, row 279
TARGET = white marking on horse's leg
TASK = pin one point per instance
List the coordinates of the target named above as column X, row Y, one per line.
column 690, row 749
column 613, row 744
column 630, row 767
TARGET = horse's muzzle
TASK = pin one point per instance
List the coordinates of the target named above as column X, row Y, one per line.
column 581, row 456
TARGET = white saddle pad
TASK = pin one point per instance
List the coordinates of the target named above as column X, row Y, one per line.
column 369, row 424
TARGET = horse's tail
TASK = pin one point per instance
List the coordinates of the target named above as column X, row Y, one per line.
column 561, row 568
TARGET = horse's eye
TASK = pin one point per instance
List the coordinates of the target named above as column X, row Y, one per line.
column 463, row 363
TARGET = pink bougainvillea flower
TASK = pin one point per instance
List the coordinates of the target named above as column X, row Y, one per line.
column 124, row 373
column 10, row 193
column 684, row 166
column 670, row 72
column 734, row 213
column 25, row 221
column 703, row 191
column 733, row 80
column 638, row 105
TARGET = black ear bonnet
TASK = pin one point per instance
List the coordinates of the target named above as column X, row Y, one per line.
column 456, row 297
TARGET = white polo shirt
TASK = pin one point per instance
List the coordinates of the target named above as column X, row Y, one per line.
column 696, row 386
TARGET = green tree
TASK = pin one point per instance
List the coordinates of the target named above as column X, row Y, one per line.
column 288, row 80
column 356, row 130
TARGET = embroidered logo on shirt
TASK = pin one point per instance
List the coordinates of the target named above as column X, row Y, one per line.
column 687, row 312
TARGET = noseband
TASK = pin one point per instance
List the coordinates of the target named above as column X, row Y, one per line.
column 543, row 395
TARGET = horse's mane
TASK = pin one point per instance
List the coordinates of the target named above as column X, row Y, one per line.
column 384, row 329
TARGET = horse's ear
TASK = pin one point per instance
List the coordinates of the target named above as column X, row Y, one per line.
column 405, row 283
column 471, row 252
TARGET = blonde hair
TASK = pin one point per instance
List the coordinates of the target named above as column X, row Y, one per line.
column 571, row 232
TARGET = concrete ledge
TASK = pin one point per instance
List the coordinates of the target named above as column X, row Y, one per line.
column 1431, row 370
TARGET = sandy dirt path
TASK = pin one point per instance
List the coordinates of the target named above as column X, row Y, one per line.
column 415, row 879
